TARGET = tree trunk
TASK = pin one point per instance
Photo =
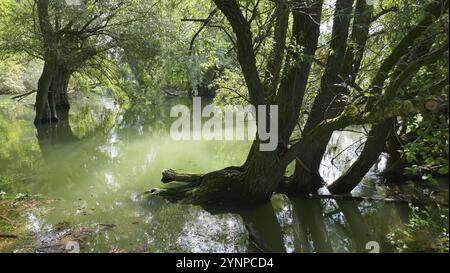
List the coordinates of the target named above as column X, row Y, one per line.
column 376, row 143
column 307, row 174
column 373, row 148
column 396, row 163
column 51, row 100
column 42, row 105
column 306, row 31
column 255, row 181
column 44, row 97
column 60, row 86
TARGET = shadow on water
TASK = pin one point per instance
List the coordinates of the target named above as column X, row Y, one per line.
column 100, row 159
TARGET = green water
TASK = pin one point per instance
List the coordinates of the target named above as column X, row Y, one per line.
column 97, row 165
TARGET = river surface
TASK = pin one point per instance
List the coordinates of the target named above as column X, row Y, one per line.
column 97, row 165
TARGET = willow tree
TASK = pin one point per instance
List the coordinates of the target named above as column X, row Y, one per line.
column 71, row 36
column 68, row 36
column 283, row 82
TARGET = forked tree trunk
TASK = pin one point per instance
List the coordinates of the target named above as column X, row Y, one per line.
column 307, row 175
column 259, row 177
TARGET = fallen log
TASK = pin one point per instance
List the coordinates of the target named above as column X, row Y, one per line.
column 173, row 176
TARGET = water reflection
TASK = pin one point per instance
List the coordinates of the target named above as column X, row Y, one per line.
column 311, row 232
column 324, row 226
column 99, row 162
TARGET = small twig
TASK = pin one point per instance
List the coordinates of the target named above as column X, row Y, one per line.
column 22, row 96
column 347, row 148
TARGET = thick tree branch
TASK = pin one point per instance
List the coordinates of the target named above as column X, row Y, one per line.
column 245, row 52
column 275, row 60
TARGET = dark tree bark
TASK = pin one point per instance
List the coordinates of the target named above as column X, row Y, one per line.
column 275, row 60
column 52, row 93
column 306, row 31
column 396, row 163
column 307, row 175
column 44, row 110
column 59, row 87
